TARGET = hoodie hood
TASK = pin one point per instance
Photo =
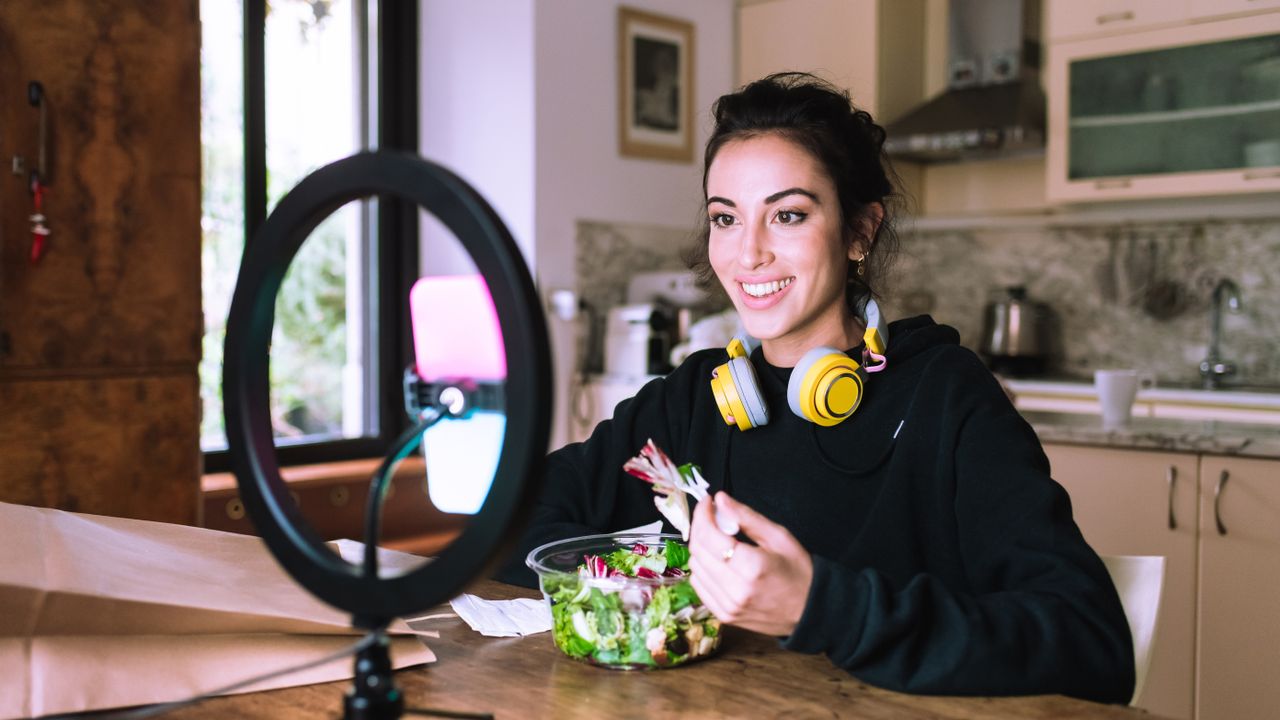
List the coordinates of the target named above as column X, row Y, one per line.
column 908, row 337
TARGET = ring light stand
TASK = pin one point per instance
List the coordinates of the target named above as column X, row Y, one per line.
column 374, row 601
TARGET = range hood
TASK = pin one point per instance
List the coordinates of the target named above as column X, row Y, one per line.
column 993, row 105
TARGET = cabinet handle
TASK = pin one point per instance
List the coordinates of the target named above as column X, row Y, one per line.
column 1111, row 184
column 1217, row 497
column 1115, row 17
column 1172, row 475
column 1261, row 174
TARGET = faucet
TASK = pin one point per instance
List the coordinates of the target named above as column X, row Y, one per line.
column 1213, row 368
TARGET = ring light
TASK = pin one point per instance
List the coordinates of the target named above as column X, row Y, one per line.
column 373, row 601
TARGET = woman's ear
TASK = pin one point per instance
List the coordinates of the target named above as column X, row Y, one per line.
column 868, row 226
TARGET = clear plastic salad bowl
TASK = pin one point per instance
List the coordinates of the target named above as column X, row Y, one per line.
column 605, row 617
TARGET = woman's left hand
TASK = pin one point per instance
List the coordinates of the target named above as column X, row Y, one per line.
column 761, row 587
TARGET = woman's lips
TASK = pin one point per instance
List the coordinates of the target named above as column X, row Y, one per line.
column 762, row 303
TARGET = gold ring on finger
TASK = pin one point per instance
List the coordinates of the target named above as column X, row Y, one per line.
column 727, row 555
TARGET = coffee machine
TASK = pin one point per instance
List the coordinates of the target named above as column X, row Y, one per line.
column 638, row 339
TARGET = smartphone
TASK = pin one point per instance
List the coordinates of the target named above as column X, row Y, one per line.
column 456, row 335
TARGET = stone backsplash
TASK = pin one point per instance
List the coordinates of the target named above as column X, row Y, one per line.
column 1132, row 295
column 606, row 256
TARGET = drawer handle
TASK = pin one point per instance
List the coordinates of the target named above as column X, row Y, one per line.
column 1172, row 475
column 1261, row 174
column 1111, row 184
column 1115, row 17
column 1217, row 497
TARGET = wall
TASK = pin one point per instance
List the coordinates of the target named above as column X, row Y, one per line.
column 1123, row 295
column 99, row 342
column 477, row 114
column 556, row 61
column 580, row 174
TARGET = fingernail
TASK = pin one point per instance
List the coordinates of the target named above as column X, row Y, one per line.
column 726, row 524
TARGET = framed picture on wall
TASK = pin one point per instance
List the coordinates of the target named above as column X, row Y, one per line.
column 655, row 86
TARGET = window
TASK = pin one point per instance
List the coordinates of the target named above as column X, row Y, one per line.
column 305, row 90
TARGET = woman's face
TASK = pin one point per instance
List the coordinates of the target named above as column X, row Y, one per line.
column 777, row 244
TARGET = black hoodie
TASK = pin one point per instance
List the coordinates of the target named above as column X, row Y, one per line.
column 946, row 560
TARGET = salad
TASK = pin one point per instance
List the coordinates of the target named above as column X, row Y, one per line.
column 630, row 606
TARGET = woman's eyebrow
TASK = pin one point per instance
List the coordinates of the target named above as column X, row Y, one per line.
column 769, row 200
column 791, row 191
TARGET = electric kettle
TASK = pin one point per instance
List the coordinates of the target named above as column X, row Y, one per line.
column 1014, row 334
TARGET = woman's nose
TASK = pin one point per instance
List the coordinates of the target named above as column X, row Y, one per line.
column 754, row 251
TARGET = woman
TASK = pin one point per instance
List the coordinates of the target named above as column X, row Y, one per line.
column 920, row 543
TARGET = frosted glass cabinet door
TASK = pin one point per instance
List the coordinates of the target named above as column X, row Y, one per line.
column 1190, row 110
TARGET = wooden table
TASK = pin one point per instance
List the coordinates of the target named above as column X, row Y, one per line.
column 529, row 678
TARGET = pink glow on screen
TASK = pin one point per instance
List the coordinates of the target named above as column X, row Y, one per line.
column 455, row 329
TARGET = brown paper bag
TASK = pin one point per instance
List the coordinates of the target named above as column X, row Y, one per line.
column 99, row 612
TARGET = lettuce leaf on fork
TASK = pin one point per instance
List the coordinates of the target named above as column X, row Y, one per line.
column 672, row 484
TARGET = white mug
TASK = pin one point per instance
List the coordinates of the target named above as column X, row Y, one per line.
column 1116, row 392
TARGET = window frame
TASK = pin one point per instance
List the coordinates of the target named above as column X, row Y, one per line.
column 394, row 232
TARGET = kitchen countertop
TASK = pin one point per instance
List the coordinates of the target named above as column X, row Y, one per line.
column 1077, row 426
column 1242, row 397
column 1190, row 436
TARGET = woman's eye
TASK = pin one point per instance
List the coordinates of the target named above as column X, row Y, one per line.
column 790, row 217
column 722, row 220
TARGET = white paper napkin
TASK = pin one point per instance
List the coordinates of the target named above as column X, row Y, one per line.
column 519, row 617
column 503, row 618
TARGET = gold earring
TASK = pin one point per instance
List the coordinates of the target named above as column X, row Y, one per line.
column 861, row 268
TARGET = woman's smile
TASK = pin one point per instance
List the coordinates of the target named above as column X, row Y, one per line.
column 760, row 294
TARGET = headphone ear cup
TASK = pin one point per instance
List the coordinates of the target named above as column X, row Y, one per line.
column 825, row 386
column 744, row 377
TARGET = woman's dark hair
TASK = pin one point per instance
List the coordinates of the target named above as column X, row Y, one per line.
column 820, row 118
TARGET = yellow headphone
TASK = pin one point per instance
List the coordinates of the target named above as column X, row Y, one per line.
column 826, row 386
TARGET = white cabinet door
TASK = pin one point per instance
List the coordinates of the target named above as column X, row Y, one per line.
column 1239, row 628
column 1129, row 502
column 1201, row 9
column 1086, row 18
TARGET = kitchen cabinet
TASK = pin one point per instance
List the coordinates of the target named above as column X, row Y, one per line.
column 1091, row 18
column 1078, row 19
column 100, row 340
column 1145, row 503
column 873, row 47
column 889, row 54
column 1188, row 110
column 1204, row 9
column 1217, row 521
column 1238, row 633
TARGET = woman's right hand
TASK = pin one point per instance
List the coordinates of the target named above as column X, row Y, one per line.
column 761, row 587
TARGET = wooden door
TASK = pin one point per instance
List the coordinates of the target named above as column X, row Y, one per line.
column 1239, row 628
column 1129, row 502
